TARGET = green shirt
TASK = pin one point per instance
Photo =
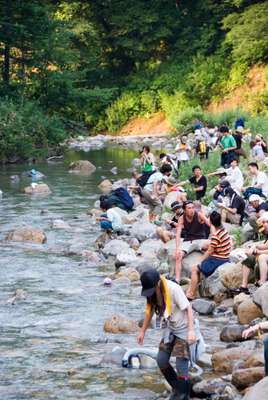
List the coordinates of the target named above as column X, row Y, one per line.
column 228, row 141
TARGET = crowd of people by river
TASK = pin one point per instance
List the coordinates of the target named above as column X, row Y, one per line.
column 199, row 220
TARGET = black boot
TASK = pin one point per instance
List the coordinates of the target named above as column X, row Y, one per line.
column 180, row 387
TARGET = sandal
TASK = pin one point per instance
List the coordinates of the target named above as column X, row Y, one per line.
column 240, row 290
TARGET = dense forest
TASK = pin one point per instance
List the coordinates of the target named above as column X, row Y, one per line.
column 72, row 67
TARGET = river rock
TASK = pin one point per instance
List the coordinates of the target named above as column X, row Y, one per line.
column 115, row 356
column 134, row 243
column 152, row 246
column 203, row 306
column 146, row 262
column 256, row 360
column 126, row 257
column 140, row 214
column 143, row 230
column 130, row 273
column 19, row 294
column 231, row 276
column 136, row 163
column 237, row 255
column 258, row 391
column 105, row 186
column 170, row 198
column 91, row 256
column 260, row 297
column 94, row 212
column 115, row 247
column 120, row 324
column 247, row 311
column 60, row 224
column 232, row 333
column 242, row 378
column 239, row 299
column 27, row 234
column 83, row 167
column 209, row 387
column 225, row 360
column 37, row 188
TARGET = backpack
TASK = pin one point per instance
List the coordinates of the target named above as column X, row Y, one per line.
column 202, row 147
column 143, row 179
column 124, row 198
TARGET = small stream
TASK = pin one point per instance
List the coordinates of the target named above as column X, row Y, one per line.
column 52, row 342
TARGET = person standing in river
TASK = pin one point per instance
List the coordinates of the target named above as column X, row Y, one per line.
column 168, row 301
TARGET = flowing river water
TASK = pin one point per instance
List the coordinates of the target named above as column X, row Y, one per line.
column 52, row 341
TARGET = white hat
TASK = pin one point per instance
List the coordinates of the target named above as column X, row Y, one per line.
column 240, row 129
column 264, row 217
column 254, row 197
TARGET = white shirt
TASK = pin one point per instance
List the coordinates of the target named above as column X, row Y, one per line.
column 115, row 219
column 257, row 152
column 261, row 180
column 183, row 155
column 235, row 177
column 156, row 177
column 179, row 305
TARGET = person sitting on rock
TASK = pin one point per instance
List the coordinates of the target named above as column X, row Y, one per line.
column 251, row 331
column 217, row 254
column 259, row 183
column 234, row 211
column 110, row 220
column 198, row 181
column 235, row 176
column 151, row 192
column 194, row 229
column 256, row 261
column 169, row 233
column 168, row 301
column 259, row 207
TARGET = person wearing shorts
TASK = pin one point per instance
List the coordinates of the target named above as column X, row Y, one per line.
column 217, row 254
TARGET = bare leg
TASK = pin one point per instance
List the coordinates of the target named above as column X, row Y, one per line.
column 223, row 215
column 195, row 278
column 263, row 264
column 245, row 275
column 178, row 267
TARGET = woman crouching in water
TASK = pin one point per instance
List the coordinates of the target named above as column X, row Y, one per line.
column 168, row 301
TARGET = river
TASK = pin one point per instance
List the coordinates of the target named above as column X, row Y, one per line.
column 53, row 340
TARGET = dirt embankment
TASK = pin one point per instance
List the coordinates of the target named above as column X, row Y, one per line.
column 243, row 97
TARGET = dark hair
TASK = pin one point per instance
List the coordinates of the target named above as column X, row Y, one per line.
column 223, row 129
column 185, row 203
column 236, row 158
column 162, row 155
column 165, row 168
column 104, row 204
column 196, row 167
column 147, row 148
column 215, row 219
column 253, row 164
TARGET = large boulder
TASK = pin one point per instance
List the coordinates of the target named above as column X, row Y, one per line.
column 152, row 246
column 27, row 234
column 242, row 378
column 115, row 356
column 215, row 386
column 130, row 273
column 143, row 230
column 258, row 391
column 37, row 188
column 231, row 276
column 247, row 311
column 115, row 247
column 126, row 257
column 232, row 333
column 214, row 285
column 83, row 167
column 60, row 224
column 120, row 324
column 256, row 360
column 260, row 297
column 225, row 360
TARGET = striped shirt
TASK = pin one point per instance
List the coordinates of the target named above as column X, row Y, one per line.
column 221, row 244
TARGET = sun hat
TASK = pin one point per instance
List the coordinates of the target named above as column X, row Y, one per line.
column 254, row 197
column 171, row 181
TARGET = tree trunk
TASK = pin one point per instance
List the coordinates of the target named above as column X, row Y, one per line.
column 6, row 67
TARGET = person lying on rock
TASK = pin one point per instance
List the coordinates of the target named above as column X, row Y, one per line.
column 256, row 261
column 198, row 181
column 151, row 192
column 169, row 233
column 110, row 220
column 262, row 326
column 217, row 254
column 234, row 211
column 168, row 301
column 194, row 229
column 259, row 183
